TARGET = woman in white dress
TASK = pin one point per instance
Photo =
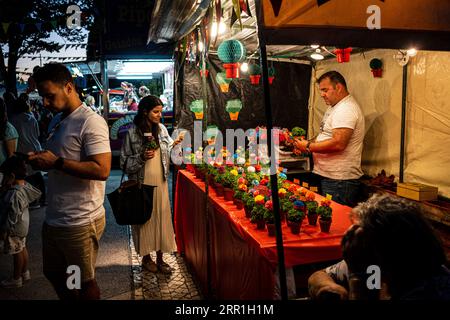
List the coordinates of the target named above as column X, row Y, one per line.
column 151, row 167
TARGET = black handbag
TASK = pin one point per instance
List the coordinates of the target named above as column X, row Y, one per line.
column 132, row 202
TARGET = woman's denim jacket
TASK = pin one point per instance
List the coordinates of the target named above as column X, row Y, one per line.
column 132, row 149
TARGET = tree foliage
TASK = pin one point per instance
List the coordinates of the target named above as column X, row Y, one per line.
column 30, row 24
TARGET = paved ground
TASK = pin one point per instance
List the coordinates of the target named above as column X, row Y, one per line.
column 119, row 273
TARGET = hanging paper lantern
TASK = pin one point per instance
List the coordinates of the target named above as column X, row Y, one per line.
column 271, row 75
column 376, row 65
column 223, row 81
column 211, row 134
column 343, row 55
column 255, row 74
column 196, row 107
column 206, row 69
column 231, row 52
column 233, row 107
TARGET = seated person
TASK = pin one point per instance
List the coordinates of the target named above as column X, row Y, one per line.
column 390, row 233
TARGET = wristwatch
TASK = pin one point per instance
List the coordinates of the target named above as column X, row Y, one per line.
column 307, row 146
column 59, row 163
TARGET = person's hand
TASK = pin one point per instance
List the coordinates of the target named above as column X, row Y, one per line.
column 178, row 139
column 42, row 160
column 300, row 144
column 332, row 291
column 148, row 154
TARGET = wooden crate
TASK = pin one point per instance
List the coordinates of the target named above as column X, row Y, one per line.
column 417, row 191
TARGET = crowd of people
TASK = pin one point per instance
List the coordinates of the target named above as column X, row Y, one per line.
column 387, row 232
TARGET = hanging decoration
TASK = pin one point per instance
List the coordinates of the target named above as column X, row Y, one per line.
column 196, row 107
column 255, row 73
column 239, row 7
column 223, row 81
column 343, row 55
column 233, row 107
column 271, row 74
column 276, row 6
column 206, row 69
column 377, row 67
column 231, row 52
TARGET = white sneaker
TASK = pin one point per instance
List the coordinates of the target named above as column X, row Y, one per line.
column 26, row 275
column 12, row 283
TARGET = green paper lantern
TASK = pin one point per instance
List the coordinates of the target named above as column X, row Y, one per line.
column 223, row 81
column 231, row 51
column 254, row 69
column 233, row 105
column 196, row 107
column 211, row 132
column 221, row 78
column 376, row 64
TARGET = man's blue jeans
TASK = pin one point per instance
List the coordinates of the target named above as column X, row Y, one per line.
column 345, row 192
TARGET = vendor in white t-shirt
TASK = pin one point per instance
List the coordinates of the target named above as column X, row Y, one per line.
column 78, row 161
column 338, row 147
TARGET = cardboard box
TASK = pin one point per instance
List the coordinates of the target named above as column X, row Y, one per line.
column 417, row 191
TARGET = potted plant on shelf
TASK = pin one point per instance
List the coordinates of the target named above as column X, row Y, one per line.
column 311, row 207
column 325, row 212
column 269, row 218
column 218, row 179
column 228, row 185
column 285, row 206
column 258, row 216
column 295, row 218
column 249, row 203
column 239, row 193
column 212, row 172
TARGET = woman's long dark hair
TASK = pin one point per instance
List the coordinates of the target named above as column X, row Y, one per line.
column 3, row 119
column 141, row 119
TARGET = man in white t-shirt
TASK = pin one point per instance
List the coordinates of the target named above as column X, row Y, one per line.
column 338, row 147
column 78, row 161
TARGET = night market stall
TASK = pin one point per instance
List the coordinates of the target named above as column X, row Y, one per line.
column 230, row 256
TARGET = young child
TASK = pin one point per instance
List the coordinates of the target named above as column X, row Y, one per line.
column 15, row 197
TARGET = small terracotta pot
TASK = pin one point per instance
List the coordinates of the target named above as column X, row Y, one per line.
column 312, row 219
column 283, row 216
column 248, row 212
column 377, row 73
column 254, row 79
column 295, row 227
column 239, row 203
column 260, row 224
column 228, row 194
column 231, row 70
column 325, row 225
column 271, row 229
column 219, row 190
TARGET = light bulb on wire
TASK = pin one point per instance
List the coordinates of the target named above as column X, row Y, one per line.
column 244, row 67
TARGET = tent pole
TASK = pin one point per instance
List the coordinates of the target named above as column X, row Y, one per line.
column 204, row 125
column 273, row 173
column 403, row 124
column 104, row 70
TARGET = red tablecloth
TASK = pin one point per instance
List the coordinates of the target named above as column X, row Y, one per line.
column 236, row 260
